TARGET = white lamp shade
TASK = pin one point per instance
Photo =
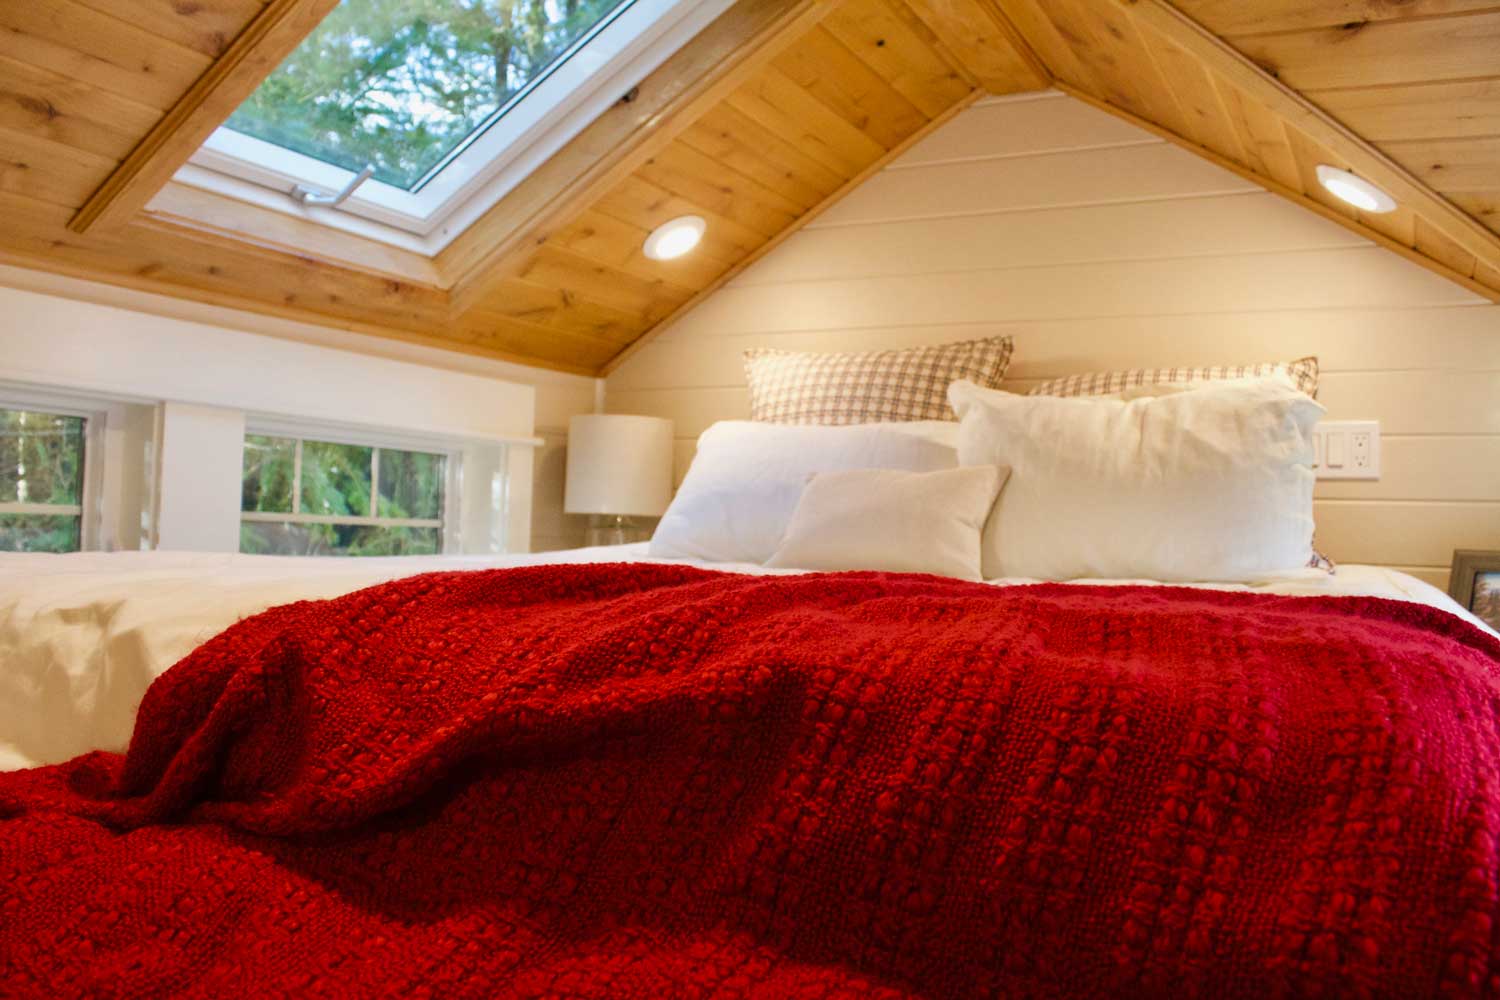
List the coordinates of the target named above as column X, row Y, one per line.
column 619, row 465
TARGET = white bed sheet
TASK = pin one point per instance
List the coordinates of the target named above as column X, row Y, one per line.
column 82, row 636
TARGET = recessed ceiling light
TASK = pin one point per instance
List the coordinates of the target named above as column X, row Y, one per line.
column 675, row 238
column 1355, row 190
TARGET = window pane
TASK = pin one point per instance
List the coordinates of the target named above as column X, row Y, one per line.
column 336, row 479
column 399, row 84
column 411, row 484
column 41, row 457
column 39, row 532
column 260, row 538
column 267, row 481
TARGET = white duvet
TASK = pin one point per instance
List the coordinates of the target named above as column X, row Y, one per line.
column 83, row 636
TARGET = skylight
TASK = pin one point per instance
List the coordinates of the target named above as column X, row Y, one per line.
column 450, row 103
column 400, row 85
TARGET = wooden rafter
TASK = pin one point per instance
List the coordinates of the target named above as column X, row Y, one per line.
column 258, row 49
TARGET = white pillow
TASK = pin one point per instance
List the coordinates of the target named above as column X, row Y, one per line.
column 1213, row 484
column 747, row 477
column 887, row 519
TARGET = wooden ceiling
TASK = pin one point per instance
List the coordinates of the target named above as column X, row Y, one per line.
column 767, row 117
column 1260, row 86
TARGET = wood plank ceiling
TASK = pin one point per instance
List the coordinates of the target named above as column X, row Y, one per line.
column 770, row 115
column 1261, row 87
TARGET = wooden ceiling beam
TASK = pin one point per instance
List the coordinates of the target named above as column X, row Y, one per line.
column 720, row 58
column 268, row 39
column 991, row 48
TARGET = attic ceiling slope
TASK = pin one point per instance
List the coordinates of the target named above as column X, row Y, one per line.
column 1218, row 77
column 758, row 123
column 266, row 38
column 819, row 96
column 764, row 119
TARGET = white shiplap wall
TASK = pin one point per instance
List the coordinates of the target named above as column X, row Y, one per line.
column 558, row 396
column 1096, row 245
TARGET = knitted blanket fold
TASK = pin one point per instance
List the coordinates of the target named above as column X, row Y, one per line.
column 658, row 781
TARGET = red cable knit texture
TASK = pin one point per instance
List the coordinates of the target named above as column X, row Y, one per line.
column 656, row 781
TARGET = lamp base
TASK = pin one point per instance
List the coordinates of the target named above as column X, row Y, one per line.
column 610, row 529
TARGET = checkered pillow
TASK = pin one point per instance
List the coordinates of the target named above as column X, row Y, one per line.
column 1303, row 372
column 789, row 387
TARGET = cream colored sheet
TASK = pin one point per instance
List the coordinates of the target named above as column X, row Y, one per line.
column 83, row 636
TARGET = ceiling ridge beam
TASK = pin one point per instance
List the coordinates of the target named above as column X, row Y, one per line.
column 1235, row 67
column 972, row 51
column 255, row 52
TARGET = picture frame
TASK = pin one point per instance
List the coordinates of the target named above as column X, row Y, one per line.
column 1475, row 583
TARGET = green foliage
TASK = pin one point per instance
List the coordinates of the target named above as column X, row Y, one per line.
column 400, row 83
column 39, row 532
column 335, row 482
column 41, row 462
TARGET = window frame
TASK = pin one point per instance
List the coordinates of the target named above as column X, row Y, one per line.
column 488, row 164
column 96, row 417
column 449, row 524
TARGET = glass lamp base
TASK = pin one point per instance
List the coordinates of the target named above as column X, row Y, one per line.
column 613, row 530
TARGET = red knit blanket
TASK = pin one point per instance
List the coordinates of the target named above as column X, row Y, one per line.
column 651, row 781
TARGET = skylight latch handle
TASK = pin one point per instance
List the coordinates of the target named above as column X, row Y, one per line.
column 309, row 196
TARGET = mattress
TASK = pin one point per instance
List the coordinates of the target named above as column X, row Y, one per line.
column 82, row 636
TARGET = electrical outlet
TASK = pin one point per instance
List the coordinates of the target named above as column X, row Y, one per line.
column 1359, row 449
column 1347, row 449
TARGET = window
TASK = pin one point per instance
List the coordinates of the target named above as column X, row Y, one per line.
column 400, row 85
column 305, row 497
column 41, row 481
column 451, row 102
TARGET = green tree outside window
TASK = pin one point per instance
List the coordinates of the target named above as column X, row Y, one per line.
column 41, row 464
column 399, row 84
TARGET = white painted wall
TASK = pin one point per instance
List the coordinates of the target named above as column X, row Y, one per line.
column 197, row 485
column 96, row 340
column 1096, row 245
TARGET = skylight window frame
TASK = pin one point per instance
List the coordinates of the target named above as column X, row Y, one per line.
column 576, row 90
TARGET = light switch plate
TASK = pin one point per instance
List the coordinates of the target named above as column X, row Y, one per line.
column 1347, row 449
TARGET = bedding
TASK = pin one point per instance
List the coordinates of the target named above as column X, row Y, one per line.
column 739, row 494
column 886, row 519
column 656, row 780
column 1302, row 374
column 794, row 387
column 1214, row 484
column 82, row 636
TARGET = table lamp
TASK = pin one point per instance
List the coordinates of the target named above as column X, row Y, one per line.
column 619, row 468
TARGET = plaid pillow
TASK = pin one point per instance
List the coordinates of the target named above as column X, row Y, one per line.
column 790, row 387
column 1303, row 372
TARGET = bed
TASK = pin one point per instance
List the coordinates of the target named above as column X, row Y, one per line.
column 669, row 770
column 83, row 636
column 597, row 774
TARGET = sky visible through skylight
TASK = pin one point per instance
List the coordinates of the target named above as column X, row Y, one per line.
column 401, row 84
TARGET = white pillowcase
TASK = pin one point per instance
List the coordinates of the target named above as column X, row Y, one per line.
column 890, row 520
column 1213, row 484
column 745, row 481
